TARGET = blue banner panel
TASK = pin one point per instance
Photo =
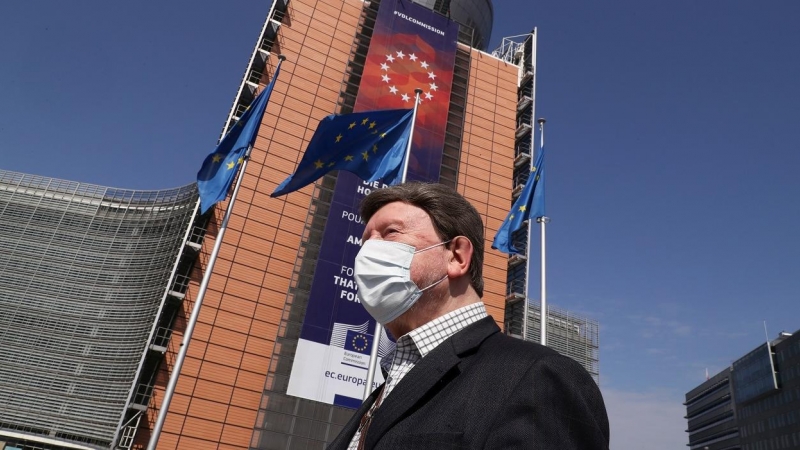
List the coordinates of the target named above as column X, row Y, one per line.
column 412, row 47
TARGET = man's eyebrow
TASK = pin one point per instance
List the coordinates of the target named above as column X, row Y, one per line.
column 397, row 222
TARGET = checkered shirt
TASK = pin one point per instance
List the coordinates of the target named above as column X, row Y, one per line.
column 417, row 343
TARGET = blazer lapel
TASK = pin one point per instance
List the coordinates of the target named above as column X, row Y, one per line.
column 425, row 375
column 342, row 441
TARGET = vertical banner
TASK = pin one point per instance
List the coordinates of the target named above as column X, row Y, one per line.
column 412, row 47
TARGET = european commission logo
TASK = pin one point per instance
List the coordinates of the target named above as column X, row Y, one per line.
column 352, row 338
column 358, row 342
column 355, row 338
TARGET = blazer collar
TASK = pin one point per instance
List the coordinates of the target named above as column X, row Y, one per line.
column 425, row 375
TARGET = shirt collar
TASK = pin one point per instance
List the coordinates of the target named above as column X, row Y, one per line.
column 428, row 336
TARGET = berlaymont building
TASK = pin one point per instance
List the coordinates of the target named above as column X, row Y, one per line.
column 97, row 283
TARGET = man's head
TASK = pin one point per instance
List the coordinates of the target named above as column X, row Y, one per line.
column 422, row 215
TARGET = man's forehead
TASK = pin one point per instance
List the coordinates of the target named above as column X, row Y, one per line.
column 399, row 213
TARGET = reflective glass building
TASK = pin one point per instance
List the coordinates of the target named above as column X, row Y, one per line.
column 752, row 405
column 83, row 276
column 767, row 396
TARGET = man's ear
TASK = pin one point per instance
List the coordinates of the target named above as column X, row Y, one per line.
column 461, row 250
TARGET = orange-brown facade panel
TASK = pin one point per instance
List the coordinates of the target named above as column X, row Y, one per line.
column 484, row 160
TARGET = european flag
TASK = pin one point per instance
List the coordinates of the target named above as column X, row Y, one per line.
column 369, row 144
column 530, row 203
column 219, row 168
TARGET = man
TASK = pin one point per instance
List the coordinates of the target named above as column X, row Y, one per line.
column 454, row 380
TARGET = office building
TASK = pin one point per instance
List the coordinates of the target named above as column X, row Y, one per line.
column 83, row 276
column 711, row 415
column 766, row 390
column 752, row 405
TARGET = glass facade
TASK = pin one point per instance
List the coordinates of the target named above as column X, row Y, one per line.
column 752, row 405
column 753, row 375
column 83, row 271
column 771, row 420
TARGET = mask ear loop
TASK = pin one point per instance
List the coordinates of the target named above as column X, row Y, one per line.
column 445, row 275
column 434, row 284
column 432, row 246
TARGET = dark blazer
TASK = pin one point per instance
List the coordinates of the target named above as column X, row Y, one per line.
column 483, row 389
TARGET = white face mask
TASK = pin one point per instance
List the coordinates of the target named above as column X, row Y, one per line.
column 383, row 275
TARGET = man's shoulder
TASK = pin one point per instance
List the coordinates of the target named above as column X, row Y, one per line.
column 489, row 341
column 503, row 343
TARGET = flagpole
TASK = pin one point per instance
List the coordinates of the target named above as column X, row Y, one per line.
column 543, row 220
column 373, row 355
column 187, row 334
column 527, row 265
column 407, row 157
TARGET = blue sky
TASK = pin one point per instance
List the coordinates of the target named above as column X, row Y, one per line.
column 672, row 136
